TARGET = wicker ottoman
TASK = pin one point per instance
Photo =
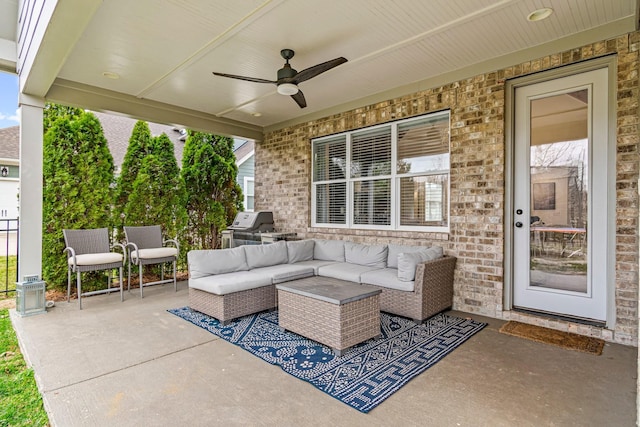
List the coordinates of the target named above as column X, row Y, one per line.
column 333, row 312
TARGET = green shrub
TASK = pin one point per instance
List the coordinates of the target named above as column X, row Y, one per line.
column 139, row 147
column 213, row 195
column 77, row 190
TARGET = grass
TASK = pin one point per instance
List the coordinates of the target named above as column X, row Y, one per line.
column 20, row 400
column 8, row 271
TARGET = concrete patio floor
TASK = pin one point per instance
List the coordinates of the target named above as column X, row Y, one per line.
column 135, row 364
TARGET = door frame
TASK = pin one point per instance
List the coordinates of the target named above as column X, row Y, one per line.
column 608, row 62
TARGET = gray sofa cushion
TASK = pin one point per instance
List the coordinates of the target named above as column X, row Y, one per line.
column 328, row 250
column 395, row 250
column 266, row 255
column 219, row 261
column 407, row 262
column 227, row 283
column 301, row 250
column 315, row 264
column 344, row 271
column 387, row 278
column 369, row 255
column 285, row 272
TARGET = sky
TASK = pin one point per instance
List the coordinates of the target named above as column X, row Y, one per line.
column 8, row 100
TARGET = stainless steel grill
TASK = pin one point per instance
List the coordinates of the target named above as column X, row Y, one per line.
column 247, row 229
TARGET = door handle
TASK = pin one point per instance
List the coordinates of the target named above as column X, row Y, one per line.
column 519, row 224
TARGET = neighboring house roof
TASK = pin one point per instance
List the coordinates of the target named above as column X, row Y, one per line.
column 10, row 143
column 117, row 130
column 244, row 152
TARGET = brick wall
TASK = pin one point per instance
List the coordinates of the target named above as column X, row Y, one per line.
column 476, row 237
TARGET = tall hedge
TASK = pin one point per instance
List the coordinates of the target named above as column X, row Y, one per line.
column 52, row 112
column 213, row 195
column 139, row 147
column 77, row 190
column 158, row 195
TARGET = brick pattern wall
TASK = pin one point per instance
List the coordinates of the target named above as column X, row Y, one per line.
column 283, row 170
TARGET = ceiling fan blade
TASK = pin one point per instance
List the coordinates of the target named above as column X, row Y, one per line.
column 311, row 72
column 248, row 79
column 299, row 98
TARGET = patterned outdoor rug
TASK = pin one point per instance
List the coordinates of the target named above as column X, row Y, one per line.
column 365, row 375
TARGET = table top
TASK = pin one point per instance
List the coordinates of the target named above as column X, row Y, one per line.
column 334, row 291
column 558, row 229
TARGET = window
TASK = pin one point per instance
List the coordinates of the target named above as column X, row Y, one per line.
column 248, row 194
column 393, row 176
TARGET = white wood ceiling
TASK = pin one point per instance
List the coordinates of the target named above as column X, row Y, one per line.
column 166, row 50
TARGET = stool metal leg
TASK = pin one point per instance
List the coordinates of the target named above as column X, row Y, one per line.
column 68, row 284
column 175, row 282
column 121, row 286
column 79, row 286
column 140, row 266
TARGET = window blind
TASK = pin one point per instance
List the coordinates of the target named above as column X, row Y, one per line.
column 423, row 200
column 372, row 202
column 330, row 159
column 331, row 200
column 423, row 145
column 371, row 153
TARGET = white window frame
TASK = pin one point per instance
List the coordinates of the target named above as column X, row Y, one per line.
column 394, row 177
column 248, row 179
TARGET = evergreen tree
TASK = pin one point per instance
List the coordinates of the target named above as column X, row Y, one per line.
column 77, row 192
column 52, row 112
column 158, row 194
column 139, row 147
column 213, row 195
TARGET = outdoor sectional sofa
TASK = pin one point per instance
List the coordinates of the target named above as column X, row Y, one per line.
column 416, row 281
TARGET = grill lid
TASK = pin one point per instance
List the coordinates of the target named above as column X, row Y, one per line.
column 253, row 221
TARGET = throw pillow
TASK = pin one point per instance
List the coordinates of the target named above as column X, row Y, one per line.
column 407, row 262
column 395, row 250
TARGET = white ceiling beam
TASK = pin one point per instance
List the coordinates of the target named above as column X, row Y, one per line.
column 98, row 99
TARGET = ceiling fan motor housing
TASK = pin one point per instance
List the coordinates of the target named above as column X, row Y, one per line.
column 286, row 72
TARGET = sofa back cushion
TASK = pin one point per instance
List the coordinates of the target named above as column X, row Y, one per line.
column 300, row 250
column 266, row 255
column 407, row 261
column 369, row 255
column 216, row 261
column 328, row 250
column 395, row 250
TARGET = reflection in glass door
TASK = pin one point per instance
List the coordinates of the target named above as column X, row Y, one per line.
column 559, row 160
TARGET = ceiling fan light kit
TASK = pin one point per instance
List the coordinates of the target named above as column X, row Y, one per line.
column 287, row 89
column 289, row 78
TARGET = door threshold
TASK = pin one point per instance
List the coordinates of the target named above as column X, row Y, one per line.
column 555, row 316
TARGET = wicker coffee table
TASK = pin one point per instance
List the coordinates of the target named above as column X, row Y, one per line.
column 333, row 312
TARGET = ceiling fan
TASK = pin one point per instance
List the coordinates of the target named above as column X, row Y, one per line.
column 289, row 78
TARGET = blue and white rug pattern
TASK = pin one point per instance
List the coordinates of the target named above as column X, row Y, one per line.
column 365, row 375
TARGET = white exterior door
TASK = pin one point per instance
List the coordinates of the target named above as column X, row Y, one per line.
column 560, row 218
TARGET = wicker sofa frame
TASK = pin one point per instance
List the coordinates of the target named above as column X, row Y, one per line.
column 227, row 307
column 432, row 294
